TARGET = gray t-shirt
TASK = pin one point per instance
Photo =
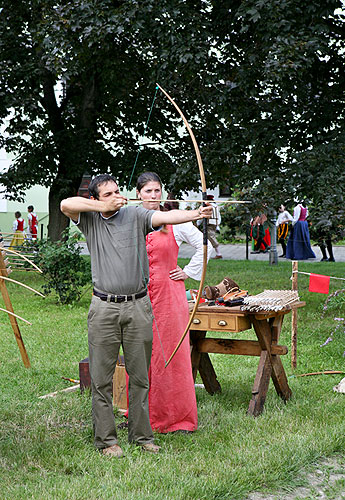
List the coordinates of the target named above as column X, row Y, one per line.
column 117, row 246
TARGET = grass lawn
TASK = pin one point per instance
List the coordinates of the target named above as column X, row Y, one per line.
column 46, row 449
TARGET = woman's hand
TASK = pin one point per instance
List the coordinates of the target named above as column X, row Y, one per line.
column 178, row 274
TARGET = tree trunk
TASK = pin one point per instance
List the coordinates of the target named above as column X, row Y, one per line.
column 58, row 222
column 74, row 150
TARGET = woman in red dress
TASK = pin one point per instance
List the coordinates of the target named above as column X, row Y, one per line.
column 172, row 402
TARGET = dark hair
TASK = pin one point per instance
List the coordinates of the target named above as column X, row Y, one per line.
column 98, row 181
column 31, row 208
column 17, row 215
column 146, row 177
column 143, row 179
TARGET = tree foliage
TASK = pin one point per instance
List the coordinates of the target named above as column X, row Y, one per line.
column 78, row 81
column 261, row 82
column 283, row 70
column 282, row 103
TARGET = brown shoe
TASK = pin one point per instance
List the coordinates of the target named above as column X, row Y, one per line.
column 113, row 451
column 151, row 447
column 218, row 257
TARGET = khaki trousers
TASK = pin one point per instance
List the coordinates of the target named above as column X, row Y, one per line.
column 110, row 325
column 211, row 235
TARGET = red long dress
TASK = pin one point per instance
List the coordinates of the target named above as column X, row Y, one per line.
column 172, row 400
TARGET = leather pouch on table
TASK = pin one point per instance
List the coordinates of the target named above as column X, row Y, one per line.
column 232, row 295
column 229, row 303
column 214, row 292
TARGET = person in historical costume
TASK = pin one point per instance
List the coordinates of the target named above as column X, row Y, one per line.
column 298, row 246
column 18, row 229
column 32, row 224
column 282, row 224
column 120, row 313
column 260, row 234
column 325, row 243
column 327, row 228
column 172, row 401
column 323, row 234
column 213, row 227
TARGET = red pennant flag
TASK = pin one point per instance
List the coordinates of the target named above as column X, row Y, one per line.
column 319, row 283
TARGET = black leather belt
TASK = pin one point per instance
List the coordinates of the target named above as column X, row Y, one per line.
column 119, row 298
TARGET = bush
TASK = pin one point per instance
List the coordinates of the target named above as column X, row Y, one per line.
column 235, row 222
column 65, row 271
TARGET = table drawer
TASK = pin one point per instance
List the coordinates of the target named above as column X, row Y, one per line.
column 199, row 322
column 229, row 323
column 220, row 322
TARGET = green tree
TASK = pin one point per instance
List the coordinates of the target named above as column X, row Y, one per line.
column 327, row 192
column 281, row 97
column 261, row 82
column 77, row 80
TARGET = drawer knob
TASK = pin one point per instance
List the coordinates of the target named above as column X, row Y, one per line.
column 222, row 323
column 196, row 321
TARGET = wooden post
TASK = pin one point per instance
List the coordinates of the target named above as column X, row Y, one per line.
column 294, row 317
column 273, row 258
column 119, row 387
column 84, row 374
column 9, row 307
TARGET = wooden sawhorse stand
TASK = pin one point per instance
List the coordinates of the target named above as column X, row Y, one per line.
column 267, row 326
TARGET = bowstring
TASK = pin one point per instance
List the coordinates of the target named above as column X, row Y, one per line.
column 128, row 186
column 143, row 136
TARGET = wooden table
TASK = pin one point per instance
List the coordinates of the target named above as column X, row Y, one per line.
column 267, row 326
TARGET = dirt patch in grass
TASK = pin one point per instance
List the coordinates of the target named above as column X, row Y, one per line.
column 327, row 482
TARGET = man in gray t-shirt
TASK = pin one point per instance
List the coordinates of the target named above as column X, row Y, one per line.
column 120, row 312
column 118, row 249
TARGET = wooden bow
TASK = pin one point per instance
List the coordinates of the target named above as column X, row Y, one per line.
column 203, row 186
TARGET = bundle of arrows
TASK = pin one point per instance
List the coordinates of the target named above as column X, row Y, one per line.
column 270, row 300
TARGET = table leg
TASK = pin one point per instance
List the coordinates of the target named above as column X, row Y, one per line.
column 268, row 333
column 202, row 362
column 278, row 373
column 208, row 375
column 279, row 379
column 194, row 336
column 260, row 387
